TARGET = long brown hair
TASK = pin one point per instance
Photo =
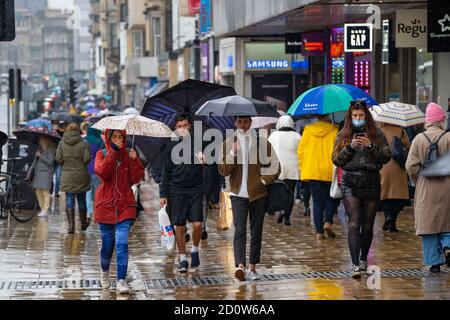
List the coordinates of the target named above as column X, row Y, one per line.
column 346, row 134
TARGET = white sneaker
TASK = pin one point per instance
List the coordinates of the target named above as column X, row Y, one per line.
column 104, row 280
column 253, row 275
column 43, row 214
column 122, row 287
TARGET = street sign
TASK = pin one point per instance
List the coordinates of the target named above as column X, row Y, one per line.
column 293, row 42
column 438, row 26
column 358, row 37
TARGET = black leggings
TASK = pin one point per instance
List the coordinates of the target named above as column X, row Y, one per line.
column 361, row 217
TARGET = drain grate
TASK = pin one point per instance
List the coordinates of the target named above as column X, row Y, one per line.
column 94, row 284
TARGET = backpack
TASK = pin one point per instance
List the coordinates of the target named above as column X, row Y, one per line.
column 399, row 151
column 432, row 151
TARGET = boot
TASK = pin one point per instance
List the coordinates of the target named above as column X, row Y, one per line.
column 280, row 217
column 83, row 219
column 387, row 221
column 71, row 220
column 393, row 226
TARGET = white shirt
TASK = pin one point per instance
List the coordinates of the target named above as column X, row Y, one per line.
column 250, row 135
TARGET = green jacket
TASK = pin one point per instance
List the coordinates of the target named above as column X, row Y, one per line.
column 74, row 155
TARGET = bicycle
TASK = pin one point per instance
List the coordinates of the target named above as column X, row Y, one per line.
column 17, row 196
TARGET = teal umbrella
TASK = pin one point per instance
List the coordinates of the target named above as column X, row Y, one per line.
column 327, row 99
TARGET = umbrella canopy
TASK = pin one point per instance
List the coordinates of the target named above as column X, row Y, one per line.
column 237, row 106
column 397, row 113
column 40, row 122
column 328, row 99
column 187, row 97
column 93, row 111
column 440, row 168
column 3, row 139
column 66, row 117
column 134, row 125
column 131, row 111
column 32, row 134
column 259, row 122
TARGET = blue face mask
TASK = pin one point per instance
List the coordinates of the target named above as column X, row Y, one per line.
column 358, row 123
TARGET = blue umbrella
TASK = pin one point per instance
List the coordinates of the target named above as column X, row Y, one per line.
column 328, row 99
column 39, row 123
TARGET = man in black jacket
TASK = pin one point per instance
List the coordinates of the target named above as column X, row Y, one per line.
column 182, row 187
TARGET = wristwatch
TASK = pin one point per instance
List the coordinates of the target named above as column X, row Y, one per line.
column 371, row 146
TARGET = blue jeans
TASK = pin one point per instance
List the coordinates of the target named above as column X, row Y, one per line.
column 58, row 171
column 81, row 199
column 433, row 248
column 322, row 202
column 90, row 195
column 115, row 236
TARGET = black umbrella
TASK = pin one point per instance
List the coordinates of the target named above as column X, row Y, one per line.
column 3, row 138
column 185, row 97
column 237, row 106
column 440, row 168
column 66, row 117
column 32, row 134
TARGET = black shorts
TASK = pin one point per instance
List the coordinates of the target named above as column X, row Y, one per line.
column 185, row 206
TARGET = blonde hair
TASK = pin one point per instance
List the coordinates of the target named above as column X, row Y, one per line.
column 84, row 126
column 46, row 143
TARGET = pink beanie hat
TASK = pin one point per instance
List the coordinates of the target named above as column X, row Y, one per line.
column 434, row 113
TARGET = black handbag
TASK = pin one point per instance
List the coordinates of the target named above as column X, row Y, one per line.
column 31, row 171
column 399, row 151
column 354, row 179
column 279, row 196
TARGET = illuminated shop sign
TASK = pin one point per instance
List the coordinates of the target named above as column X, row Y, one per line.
column 267, row 64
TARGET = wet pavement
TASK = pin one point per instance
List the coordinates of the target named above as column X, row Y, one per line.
column 39, row 260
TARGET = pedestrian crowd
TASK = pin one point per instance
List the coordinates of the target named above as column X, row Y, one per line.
column 353, row 163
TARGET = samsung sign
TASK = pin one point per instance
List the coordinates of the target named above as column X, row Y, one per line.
column 267, row 64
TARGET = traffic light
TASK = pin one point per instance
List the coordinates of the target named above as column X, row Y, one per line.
column 7, row 20
column 72, row 90
column 15, row 84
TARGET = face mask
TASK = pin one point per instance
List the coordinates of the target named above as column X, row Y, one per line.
column 358, row 123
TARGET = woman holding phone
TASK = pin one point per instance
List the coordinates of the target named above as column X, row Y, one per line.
column 361, row 150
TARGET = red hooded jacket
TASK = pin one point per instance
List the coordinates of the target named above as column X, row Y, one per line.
column 117, row 173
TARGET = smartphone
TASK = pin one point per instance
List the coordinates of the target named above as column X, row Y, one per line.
column 359, row 135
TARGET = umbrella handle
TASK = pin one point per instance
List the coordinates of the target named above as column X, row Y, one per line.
column 132, row 143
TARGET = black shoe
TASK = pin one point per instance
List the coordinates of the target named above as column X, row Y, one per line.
column 271, row 213
column 387, row 224
column 187, row 237
column 307, row 212
column 195, row 259
column 287, row 222
column 393, row 229
column 183, row 266
column 280, row 218
column 436, row 269
column 447, row 256
column 204, row 235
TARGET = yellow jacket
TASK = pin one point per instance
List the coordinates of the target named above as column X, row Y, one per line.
column 314, row 151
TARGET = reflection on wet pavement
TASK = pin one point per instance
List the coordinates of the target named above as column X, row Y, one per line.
column 39, row 260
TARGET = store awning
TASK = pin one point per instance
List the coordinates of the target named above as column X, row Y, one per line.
column 156, row 88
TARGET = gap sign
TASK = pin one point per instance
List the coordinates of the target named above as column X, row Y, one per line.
column 358, row 37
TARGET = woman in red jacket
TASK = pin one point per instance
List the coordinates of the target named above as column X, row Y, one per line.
column 115, row 206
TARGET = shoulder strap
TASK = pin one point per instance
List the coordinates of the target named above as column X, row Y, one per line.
column 429, row 140
column 441, row 135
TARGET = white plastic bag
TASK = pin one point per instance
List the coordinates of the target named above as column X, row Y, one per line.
column 335, row 190
column 167, row 236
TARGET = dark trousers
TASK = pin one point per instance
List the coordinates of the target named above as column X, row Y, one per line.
column 322, row 202
column 291, row 184
column 303, row 192
column 242, row 209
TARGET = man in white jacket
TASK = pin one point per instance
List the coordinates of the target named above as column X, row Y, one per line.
column 285, row 143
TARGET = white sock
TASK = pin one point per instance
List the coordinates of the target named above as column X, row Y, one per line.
column 183, row 257
column 194, row 249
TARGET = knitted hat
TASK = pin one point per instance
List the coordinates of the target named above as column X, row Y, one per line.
column 434, row 113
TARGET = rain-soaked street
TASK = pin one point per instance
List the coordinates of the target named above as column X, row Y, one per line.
column 39, row 260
